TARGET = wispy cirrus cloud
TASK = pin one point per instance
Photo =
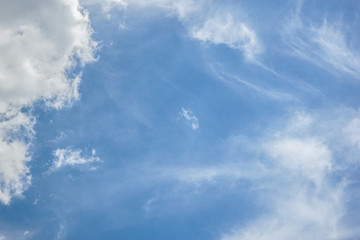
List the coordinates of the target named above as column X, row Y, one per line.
column 238, row 83
column 325, row 43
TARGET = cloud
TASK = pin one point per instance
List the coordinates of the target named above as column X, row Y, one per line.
column 13, row 169
column 304, row 201
column 41, row 44
column 307, row 156
column 190, row 118
column 39, row 48
column 106, row 5
column 224, row 28
column 300, row 216
column 181, row 8
column 72, row 157
column 235, row 81
column 352, row 132
column 206, row 21
column 325, row 44
column 61, row 232
column 14, row 172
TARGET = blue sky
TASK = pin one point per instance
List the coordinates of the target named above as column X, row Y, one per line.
column 161, row 119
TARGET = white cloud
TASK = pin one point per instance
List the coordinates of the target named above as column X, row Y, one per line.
column 224, row 28
column 38, row 48
column 325, row 44
column 14, row 172
column 352, row 131
column 41, row 42
column 307, row 156
column 299, row 121
column 72, row 157
column 190, row 118
column 304, row 202
column 300, row 216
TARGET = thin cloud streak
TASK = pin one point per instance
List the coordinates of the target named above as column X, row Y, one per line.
column 236, row 82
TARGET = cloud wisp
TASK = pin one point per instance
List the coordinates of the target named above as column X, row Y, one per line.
column 72, row 157
column 190, row 118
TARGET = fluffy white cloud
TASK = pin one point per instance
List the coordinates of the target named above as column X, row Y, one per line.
column 190, row 118
column 71, row 157
column 14, row 176
column 13, row 170
column 41, row 42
